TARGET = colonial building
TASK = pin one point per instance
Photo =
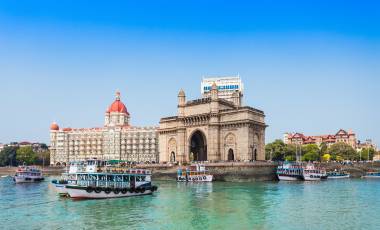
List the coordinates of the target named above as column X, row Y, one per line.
column 341, row 136
column 213, row 129
column 116, row 140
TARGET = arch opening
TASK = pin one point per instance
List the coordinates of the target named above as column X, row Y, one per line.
column 231, row 156
column 198, row 147
column 172, row 157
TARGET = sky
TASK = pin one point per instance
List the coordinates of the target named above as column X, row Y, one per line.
column 311, row 66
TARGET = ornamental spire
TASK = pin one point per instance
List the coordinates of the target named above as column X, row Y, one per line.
column 117, row 95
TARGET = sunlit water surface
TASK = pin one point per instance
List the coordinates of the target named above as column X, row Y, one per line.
column 334, row 204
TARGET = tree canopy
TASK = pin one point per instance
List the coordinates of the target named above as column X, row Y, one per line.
column 26, row 155
column 279, row 151
column 8, row 156
column 342, row 150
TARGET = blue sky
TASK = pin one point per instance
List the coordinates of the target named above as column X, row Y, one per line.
column 312, row 66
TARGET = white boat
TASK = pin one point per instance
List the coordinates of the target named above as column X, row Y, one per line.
column 195, row 173
column 372, row 175
column 96, row 179
column 28, row 174
column 118, row 183
column 338, row 175
column 289, row 172
column 312, row 173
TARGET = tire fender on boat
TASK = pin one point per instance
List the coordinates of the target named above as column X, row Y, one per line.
column 89, row 189
column 107, row 190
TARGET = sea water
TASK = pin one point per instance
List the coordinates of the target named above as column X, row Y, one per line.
column 331, row 204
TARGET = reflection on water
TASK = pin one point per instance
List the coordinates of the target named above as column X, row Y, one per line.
column 338, row 204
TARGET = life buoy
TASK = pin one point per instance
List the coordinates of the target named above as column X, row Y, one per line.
column 116, row 191
column 98, row 189
column 89, row 189
column 124, row 190
column 107, row 190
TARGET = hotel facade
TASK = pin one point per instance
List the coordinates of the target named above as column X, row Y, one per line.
column 116, row 140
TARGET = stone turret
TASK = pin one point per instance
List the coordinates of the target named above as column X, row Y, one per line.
column 236, row 98
column 181, row 103
column 214, row 99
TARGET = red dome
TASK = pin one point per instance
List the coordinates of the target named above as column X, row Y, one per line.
column 117, row 106
column 54, row 126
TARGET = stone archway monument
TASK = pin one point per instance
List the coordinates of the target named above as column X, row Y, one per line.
column 213, row 128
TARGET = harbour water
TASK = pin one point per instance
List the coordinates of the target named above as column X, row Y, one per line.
column 333, row 204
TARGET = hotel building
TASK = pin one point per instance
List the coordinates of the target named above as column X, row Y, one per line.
column 116, row 140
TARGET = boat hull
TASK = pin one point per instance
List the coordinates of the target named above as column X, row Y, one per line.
column 201, row 178
column 60, row 189
column 338, row 177
column 289, row 178
column 81, row 193
column 27, row 179
column 371, row 177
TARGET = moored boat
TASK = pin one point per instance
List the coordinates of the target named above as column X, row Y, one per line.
column 289, row 171
column 28, row 174
column 372, row 175
column 337, row 175
column 195, row 173
column 312, row 173
column 126, row 183
column 96, row 179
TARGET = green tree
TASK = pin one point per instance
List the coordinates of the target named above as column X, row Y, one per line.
column 290, row 152
column 43, row 158
column 326, row 157
column 343, row 150
column 363, row 154
column 8, row 156
column 310, row 152
column 26, row 155
column 275, row 150
column 323, row 148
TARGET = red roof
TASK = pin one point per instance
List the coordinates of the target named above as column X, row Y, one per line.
column 117, row 106
column 54, row 126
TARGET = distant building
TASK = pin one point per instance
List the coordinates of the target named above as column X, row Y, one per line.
column 214, row 128
column 116, row 140
column 341, row 136
column 229, row 88
column 368, row 144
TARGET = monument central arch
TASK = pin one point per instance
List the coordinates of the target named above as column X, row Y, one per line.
column 198, row 146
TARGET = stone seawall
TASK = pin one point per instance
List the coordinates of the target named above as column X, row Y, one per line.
column 233, row 172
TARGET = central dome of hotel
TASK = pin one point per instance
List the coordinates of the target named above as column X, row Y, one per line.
column 117, row 106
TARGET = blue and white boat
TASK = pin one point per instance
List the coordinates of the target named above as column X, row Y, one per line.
column 290, row 171
column 98, row 180
column 372, row 175
column 338, row 175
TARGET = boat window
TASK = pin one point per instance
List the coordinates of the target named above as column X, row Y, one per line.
column 110, row 178
column 126, row 178
column 142, row 178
